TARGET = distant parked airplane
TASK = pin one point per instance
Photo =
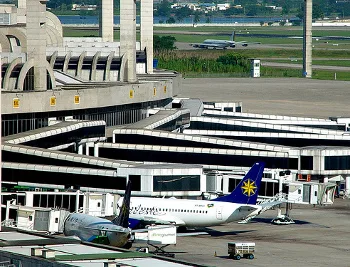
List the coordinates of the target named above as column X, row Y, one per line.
column 221, row 44
column 182, row 212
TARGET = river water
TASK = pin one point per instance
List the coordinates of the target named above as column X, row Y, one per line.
column 157, row 20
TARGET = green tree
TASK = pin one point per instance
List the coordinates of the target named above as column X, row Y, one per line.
column 233, row 11
column 163, row 9
column 163, row 43
column 252, row 10
column 182, row 13
column 317, row 12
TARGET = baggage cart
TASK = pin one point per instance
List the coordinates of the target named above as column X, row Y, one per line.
column 238, row 250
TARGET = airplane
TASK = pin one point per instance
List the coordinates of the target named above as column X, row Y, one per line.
column 90, row 228
column 201, row 213
column 222, row 44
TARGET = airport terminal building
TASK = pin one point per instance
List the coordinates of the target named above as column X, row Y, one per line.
column 91, row 114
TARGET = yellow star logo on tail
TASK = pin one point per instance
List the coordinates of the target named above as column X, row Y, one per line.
column 249, row 188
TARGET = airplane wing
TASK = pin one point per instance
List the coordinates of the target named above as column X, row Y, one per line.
column 192, row 234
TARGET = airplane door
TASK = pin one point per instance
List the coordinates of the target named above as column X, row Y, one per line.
column 306, row 193
column 219, row 213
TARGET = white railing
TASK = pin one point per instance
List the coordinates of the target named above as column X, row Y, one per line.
column 278, row 198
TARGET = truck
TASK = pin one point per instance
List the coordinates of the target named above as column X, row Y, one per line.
column 237, row 250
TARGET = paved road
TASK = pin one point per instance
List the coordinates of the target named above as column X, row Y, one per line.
column 280, row 96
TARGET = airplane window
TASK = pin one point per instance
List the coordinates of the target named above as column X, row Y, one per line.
column 182, row 210
column 98, row 204
column 166, row 209
column 206, row 212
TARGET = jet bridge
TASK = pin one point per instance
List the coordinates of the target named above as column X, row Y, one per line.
column 274, row 183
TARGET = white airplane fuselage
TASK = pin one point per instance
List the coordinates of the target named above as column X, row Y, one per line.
column 193, row 213
column 88, row 227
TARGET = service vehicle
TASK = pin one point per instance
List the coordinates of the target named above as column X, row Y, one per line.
column 238, row 250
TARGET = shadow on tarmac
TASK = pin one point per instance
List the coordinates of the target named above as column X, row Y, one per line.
column 268, row 221
column 216, row 233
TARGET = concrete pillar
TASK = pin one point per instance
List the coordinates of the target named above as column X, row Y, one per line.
column 80, row 149
column 307, row 40
column 128, row 39
column 147, row 32
column 7, row 214
column 96, row 147
column 21, row 11
column 347, row 187
column 36, row 40
column 106, row 20
column 77, row 201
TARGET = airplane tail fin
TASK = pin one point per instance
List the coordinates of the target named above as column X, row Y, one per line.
column 247, row 190
column 233, row 36
column 123, row 218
